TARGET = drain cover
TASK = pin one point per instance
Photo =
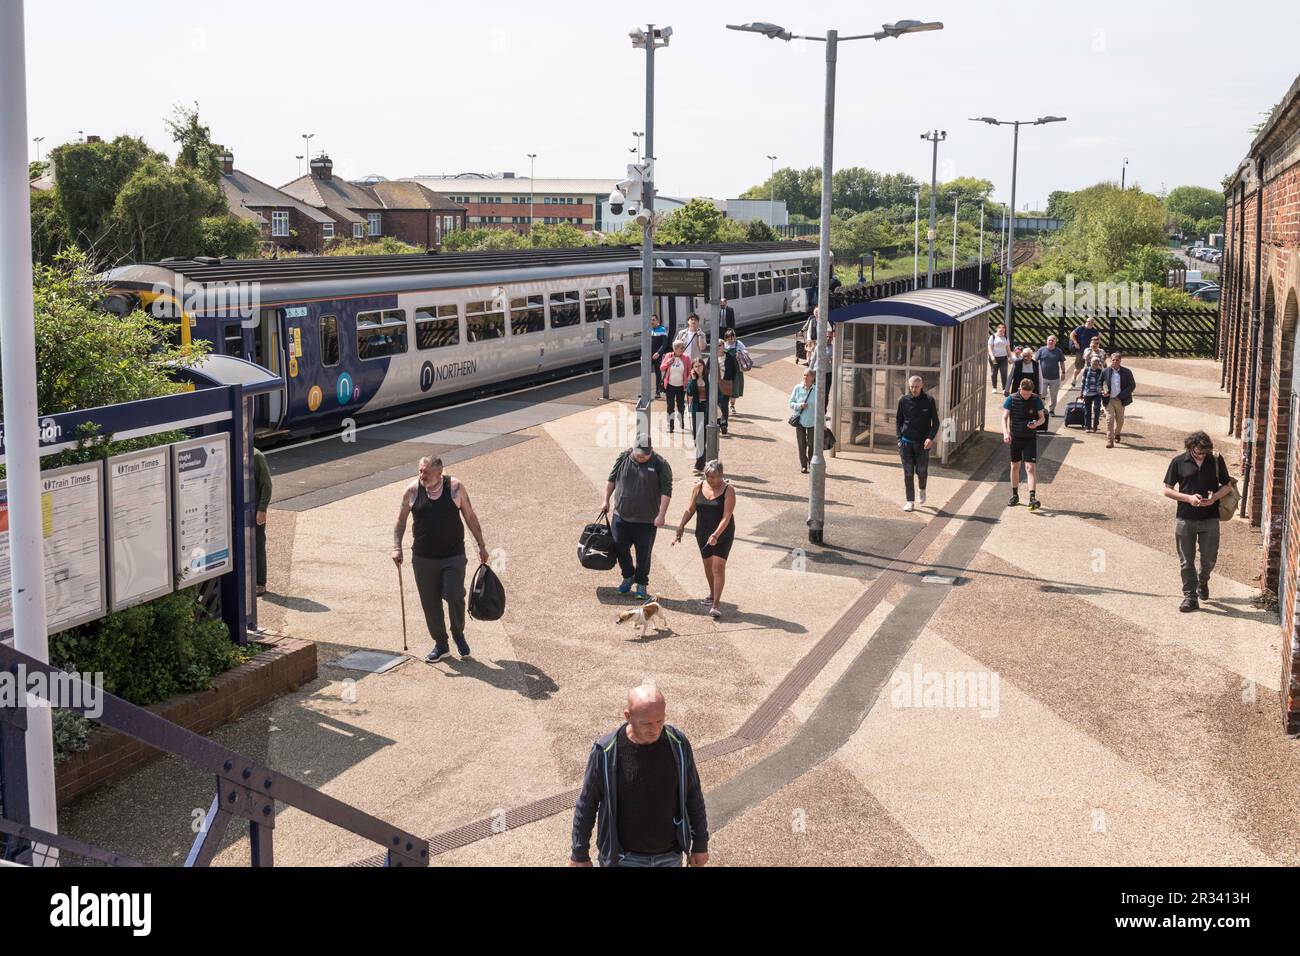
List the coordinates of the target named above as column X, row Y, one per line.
column 372, row 662
column 937, row 579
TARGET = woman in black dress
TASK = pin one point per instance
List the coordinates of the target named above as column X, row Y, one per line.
column 713, row 500
column 697, row 403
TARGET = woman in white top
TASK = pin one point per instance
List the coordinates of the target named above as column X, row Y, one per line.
column 999, row 352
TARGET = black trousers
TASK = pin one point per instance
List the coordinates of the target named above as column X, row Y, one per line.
column 630, row 535
column 999, row 367
column 804, row 439
column 724, row 408
column 676, row 400
column 261, row 554
column 916, row 462
column 439, row 580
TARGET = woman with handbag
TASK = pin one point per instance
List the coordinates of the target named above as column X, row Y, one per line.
column 804, row 418
column 727, row 385
column 741, row 354
column 1198, row 480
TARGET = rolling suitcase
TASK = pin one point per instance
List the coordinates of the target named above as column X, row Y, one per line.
column 1074, row 414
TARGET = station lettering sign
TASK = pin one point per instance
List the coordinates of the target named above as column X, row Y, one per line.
column 677, row 280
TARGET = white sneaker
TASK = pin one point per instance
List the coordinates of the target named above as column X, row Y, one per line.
column 920, row 498
column 907, row 506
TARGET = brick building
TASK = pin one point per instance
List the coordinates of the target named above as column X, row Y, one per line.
column 508, row 201
column 403, row 210
column 1261, row 368
column 285, row 221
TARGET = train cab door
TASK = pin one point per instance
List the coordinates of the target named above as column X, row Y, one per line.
column 268, row 352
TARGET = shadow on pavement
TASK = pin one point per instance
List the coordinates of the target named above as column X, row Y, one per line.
column 306, row 605
column 527, row 679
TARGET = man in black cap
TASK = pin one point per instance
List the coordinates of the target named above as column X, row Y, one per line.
column 645, row 488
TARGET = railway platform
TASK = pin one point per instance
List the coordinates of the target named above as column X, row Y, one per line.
column 1097, row 725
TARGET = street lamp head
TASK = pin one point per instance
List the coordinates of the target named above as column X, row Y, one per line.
column 1049, row 119
column 907, row 26
column 769, row 30
column 984, row 119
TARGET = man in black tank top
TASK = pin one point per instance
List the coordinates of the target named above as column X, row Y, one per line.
column 1023, row 415
column 438, row 503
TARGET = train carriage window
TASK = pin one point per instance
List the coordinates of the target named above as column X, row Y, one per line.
column 765, row 282
column 527, row 314
column 437, row 327
column 636, row 305
column 484, row 320
column 381, row 333
column 620, row 307
column 565, row 310
column 233, row 343
column 329, row 340
column 747, row 285
column 731, row 285
column 809, row 276
column 599, row 305
column 779, row 280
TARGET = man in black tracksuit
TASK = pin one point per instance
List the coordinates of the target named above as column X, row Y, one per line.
column 1023, row 417
column 917, row 423
column 642, row 793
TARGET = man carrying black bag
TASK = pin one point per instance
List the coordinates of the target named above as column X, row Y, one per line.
column 644, row 482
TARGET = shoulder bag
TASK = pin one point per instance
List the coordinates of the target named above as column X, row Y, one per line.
column 1229, row 503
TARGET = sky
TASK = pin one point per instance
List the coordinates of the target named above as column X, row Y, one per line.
column 406, row 88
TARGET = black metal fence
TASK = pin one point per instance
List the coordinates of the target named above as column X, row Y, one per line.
column 973, row 278
column 1187, row 333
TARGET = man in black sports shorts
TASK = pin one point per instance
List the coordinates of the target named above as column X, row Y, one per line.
column 1023, row 415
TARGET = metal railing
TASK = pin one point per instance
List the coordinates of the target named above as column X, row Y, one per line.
column 1187, row 333
column 245, row 789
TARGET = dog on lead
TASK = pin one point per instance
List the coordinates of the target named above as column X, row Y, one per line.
column 646, row 616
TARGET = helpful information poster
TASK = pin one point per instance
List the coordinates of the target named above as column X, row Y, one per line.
column 71, row 532
column 139, row 529
column 201, row 482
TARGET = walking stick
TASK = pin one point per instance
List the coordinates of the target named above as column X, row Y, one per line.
column 401, row 590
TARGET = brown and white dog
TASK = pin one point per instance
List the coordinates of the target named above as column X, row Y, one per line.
column 646, row 616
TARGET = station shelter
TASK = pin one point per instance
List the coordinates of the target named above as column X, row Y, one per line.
column 937, row 334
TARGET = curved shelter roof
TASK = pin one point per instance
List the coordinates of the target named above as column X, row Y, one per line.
column 919, row 307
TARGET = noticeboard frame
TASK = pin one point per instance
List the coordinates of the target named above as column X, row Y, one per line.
column 51, row 627
column 700, row 289
column 110, row 536
column 184, row 576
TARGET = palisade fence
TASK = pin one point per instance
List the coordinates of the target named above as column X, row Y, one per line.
column 1187, row 332
column 972, row 278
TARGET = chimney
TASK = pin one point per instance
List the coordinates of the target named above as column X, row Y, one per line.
column 227, row 161
column 93, row 139
column 322, row 168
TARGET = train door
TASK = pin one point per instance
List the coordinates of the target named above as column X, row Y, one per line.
column 268, row 352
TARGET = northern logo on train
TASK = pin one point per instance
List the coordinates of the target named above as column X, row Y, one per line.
column 314, row 397
column 426, row 376
column 345, row 388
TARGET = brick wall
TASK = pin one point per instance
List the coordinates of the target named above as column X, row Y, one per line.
column 287, row 665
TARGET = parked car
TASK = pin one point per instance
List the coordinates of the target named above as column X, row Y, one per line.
column 1196, row 285
column 1208, row 294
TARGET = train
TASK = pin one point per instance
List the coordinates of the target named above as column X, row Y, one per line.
column 370, row 336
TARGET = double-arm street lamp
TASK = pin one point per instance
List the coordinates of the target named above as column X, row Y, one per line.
column 817, row 469
column 771, row 195
column 936, row 137
column 1011, row 220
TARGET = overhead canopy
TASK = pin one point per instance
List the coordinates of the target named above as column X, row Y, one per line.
column 920, row 307
column 214, row 370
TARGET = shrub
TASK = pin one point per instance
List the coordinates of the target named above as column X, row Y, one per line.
column 71, row 731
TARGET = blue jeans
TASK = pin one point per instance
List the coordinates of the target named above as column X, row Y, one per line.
column 650, row 859
column 638, row 535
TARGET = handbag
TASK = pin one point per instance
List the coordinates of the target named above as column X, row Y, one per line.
column 794, row 419
column 726, row 387
column 1229, row 503
column 596, row 545
column 828, row 439
column 487, row 598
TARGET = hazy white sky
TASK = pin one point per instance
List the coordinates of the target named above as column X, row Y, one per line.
column 403, row 88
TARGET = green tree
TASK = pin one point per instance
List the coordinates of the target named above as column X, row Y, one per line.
column 49, row 231
column 157, row 212
column 37, row 168
column 195, row 139
column 382, row 246
column 698, row 221
column 227, row 236
column 1195, row 202
column 558, row 236
column 759, row 231
column 483, row 240
column 90, row 175
column 1059, row 204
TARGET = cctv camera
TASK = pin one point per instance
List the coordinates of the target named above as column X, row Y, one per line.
column 616, row 202
column 641, row 217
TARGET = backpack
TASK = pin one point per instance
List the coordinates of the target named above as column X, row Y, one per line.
column 487, row 598
column 596, row 545
column 742, row 356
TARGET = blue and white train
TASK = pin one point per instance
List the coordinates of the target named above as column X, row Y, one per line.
column 352, row 336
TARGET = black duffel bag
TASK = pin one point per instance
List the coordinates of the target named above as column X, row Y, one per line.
column 487, row 598
column 596, row 545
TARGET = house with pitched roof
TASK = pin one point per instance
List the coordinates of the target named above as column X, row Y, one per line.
column 286, row 222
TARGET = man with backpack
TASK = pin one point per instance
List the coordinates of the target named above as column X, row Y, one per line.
column 1197, row 479
column 692, row 338
column 1023, row 416
column 644, row 482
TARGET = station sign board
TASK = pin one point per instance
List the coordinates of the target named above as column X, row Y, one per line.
column 139, row 510
column 674, row 280
column 201, row 507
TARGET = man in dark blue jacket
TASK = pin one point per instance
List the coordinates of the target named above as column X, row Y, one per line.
column 642, row 793
column 917, row 423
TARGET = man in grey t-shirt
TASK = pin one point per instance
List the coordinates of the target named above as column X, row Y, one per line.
column 644, row 482
column 1052, row 360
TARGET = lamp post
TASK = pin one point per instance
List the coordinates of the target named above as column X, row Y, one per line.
column 1123, row 171
column 771, row 195
column 981, row 258
column 1011, row 222
column 37, row 141
column 936, row 137
column 817, row 467
column 26, row 558
column 916, row 240
column 952, row 279
column 640, row 156
column 649, row 39
column 307, row 150
column 299, row 158
column 532, row 205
